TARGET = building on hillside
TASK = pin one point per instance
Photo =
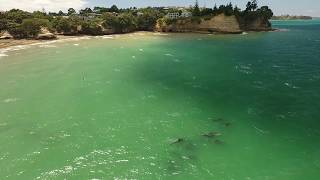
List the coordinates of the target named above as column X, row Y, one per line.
column 88, row 16
column 186, row 14
column 173, row 15
column 139, row 13
column 176, row 15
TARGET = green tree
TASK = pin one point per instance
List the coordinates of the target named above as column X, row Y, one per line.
column 66, row 26
column 86, row 11
column 71, row 11
column 196, row 9
column 4, row 24
column 206, row 11
column 228, row 10
column 109, row 20
column 29, row 28
column 148, row 19
column 114, row 8
column 265, row 12
column 16, row 31
column 122, row 23
column 39, row 15
column 236, row 10
column 100, row 10
column 32, row 27
column 251, row 5
column 62, row 25
column 91, row 28
column 215, row 10
column 60, row 13
column 127, row 23
column 17, row 15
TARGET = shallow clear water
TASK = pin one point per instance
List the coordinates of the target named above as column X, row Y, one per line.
column 109, row 108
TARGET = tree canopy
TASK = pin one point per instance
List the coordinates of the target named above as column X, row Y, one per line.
column 71, row 11
column 196, row 9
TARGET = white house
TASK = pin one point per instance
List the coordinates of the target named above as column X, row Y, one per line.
column 174, row 15
column 140, row 13
column 88, row 16
column 186, row 14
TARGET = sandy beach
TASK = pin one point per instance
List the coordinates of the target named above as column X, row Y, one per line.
column 5, row 43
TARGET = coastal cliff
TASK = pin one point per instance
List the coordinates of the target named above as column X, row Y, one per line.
column 220, row 23
column 216, row 24
column 255, row 24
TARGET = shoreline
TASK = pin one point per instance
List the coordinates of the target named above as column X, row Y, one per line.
column 8, row 43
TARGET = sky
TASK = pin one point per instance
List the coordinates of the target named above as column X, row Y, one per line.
column 292, row 7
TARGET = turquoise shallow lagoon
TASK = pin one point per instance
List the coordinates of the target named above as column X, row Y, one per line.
column 110, row 107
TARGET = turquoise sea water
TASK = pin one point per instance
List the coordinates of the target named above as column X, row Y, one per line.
column 110, row 107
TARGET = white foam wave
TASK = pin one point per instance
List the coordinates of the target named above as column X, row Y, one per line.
column 13, row 48
column 244, row 33
column 10, row 100
column 177, row 60
column 107, row 37
column 246, row 69
column 291, row 85
column 276, row 66
column 160, row 34
column 47, row 46
column 3, row 55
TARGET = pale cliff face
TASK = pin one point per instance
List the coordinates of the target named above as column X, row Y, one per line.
column 220, row 23
column 257, row 24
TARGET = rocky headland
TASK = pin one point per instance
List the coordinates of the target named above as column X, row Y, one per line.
column 216, row 24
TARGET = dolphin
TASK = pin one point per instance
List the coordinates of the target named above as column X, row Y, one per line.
column 217, row 141
column 212, row 134
column 179, row 140
column 227, row 124
column 218, row 120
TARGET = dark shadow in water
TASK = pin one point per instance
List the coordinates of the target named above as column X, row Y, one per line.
column 251, row 75
column 180, row 157
column 238, row 77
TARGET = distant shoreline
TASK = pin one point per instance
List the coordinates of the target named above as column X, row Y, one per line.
column 7, row 43
column 288, row 17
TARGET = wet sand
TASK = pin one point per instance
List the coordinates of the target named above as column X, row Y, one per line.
column 4, row 43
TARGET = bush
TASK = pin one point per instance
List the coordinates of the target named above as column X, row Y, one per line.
column 4, row 23
column 170, row 21
column 148, row 19
column 62, row 25
column 16, row 31
column 29, row 28
column 91, row 28
column 123, row 23
column 66, row 26
column 17, row 15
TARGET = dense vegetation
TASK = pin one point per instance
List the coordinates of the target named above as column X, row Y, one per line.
column 101, row 20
